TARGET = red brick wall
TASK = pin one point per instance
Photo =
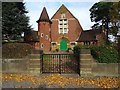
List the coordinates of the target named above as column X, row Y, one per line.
column 44, row 27
column 74, row 27
column 100, row 39
column 74, row 30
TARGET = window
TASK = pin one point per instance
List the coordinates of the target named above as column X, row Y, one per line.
column 63, row 25
column 42, row 45
column 65, row 19
column 72, row 44
column 53, row 44
column 65, row 30
column 61, row 30
column 87, row 43
column 46, row 37
column 42, row 34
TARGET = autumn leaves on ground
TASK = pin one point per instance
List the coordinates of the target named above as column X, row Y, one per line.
column 63, row 81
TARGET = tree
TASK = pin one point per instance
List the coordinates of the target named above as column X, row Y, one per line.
column 100, row 15
column 14, row 20
column 115, row 18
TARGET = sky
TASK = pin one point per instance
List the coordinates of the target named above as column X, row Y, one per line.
column 79, row 8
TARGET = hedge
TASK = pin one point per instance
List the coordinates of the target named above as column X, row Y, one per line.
column 105, row 54
column 102, row 54
column 15, row 50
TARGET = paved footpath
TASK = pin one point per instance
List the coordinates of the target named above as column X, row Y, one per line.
column 58, row 81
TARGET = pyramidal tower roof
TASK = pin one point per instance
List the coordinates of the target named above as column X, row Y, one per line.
column 44, row 16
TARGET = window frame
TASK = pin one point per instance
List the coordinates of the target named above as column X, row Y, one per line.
column 42, row 45
column 46, row 37
column 42, row 35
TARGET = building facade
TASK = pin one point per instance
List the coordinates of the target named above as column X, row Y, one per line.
column 92, row 37
column 62, row 31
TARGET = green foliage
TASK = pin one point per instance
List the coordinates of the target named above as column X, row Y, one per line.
column 118, row 46
column 106, row 16
column 69, row 49
column 105, row 54
column 76, row 50
column 15, row 50
column 100, row 12
column 114, row 14
column 14, row 20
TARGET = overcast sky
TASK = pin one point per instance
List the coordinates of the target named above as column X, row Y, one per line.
column 80, row 9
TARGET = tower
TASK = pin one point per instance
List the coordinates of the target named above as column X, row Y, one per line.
column 44, row 31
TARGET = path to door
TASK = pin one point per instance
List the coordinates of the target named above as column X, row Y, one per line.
column 57, row 81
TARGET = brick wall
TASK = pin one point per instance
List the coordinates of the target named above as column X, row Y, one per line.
column 101, row 39
column 44, row 28
column 74, row 29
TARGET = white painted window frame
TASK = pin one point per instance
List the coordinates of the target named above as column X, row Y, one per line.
column 62, row 21
column 42, row 35
column 42, row 45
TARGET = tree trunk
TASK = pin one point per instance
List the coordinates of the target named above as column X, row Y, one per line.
column 107, row 28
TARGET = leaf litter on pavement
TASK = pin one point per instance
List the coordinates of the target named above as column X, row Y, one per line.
column 63, row 81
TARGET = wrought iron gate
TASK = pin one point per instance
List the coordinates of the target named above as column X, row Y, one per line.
column 59, row 63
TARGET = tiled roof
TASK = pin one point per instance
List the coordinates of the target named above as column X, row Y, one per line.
column 44, row 16
column 88, row 35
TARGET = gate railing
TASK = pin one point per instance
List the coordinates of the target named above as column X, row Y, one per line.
column 59, row 63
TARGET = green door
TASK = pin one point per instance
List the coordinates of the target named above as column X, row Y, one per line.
column 63, row 44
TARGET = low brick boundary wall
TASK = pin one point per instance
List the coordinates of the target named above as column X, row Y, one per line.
column 23, row 66
column 15, row 65
column 104, row 69
column 97, row 69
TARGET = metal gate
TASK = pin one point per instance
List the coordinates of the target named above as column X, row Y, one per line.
column 59, row 63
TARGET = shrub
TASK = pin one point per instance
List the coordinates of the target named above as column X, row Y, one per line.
column 77, row 48
column 76, row 51
column 119, row 46
column 15, row 50
column 68, row 49
column 105, row 54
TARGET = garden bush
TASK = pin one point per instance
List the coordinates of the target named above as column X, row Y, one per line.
column 102, row 54
column 105, row 54
column 15, row 50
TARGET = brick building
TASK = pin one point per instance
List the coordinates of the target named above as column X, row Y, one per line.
column 61, row 32
column 92, row 37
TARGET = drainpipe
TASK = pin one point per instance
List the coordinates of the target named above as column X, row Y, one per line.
column 50, row 36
